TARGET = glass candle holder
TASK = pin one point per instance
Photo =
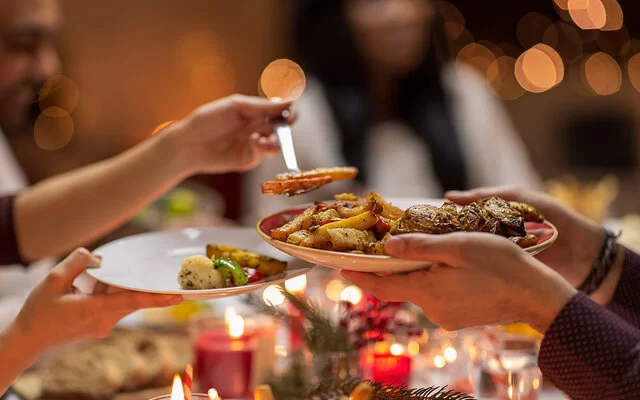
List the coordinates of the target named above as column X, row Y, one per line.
column 508, row 368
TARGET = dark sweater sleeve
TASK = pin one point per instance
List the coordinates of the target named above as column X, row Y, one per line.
column 626, row 299
column 591, row 353
column 9, row 252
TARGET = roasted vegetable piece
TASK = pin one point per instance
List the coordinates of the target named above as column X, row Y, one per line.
column 302, row 221
column 231, row 269
column 350, row 239
column 524, row 242
column 246, row 259
column 528, row 212
column 425, row 218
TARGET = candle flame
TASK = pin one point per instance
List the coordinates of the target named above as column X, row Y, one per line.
column 396, row 349
column 213, row 394
column 352, row 294
column 177, row 393
column 229, row 314
column 236, row 326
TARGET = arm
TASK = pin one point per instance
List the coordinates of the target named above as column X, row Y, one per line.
column 231, row 134
column 590, row 353
column 625, row 282
column 17, row 356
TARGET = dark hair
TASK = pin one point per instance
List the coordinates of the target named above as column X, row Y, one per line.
column 326, row 49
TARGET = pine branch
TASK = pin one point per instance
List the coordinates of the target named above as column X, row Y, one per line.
column 334, row 389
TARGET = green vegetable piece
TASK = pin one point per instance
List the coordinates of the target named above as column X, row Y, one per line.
column 231, row 269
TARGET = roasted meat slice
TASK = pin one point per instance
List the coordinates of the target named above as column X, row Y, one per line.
column 492, row 215
column 528, row 212
column 425, row 218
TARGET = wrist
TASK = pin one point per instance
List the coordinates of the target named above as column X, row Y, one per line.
column 170, row 145
column 546, row 296
column 17, row 346
column 588, row 250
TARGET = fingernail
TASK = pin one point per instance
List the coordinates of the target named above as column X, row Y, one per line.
column 95, row 261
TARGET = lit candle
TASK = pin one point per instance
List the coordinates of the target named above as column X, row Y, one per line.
column 388, row 364
column 225, row 358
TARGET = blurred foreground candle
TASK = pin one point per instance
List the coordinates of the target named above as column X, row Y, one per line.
column 386, row 363
column 232, row 356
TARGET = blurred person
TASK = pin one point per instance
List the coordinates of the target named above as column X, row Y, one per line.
column 581, row 293
column 378, row 99
column 56, row 314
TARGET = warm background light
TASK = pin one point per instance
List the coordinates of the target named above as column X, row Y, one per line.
column 352, row 294
column 236, row 326
column 53, row 129
column 602, row 74
column 633, row 70
column 539, row 69
column 273, row 296
column 531, row 29
column 334, row 289
column 614, row 15
column 476, row 56
column 502, row 80
column 297, row 284
column 588, row 14
column 566, row 40
column 58, row 92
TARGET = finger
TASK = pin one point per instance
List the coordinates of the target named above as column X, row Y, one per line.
column 429, row 248
column 128, row 301
column 388, row 288
column 266, row 145
column 466, row 197
column 63, row 274
column 251, row 107
column 100, row 288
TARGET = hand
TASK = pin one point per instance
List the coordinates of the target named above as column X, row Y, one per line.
column 54, row 314
column 477, row 279
column 231, row 134
column 579, row 239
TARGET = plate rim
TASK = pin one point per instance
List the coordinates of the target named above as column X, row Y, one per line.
column 219, row 292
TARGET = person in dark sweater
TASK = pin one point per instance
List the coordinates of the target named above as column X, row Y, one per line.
column 582, row 293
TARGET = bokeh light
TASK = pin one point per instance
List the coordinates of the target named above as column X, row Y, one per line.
column 476, row 56
column 502, row 80
column 213, row 77
column 531, row 28
column 297, row 284
column 192, row 47
column 562, row 4
column 351, row 294
column 633, row 70
column 566, row 40
column 602, row 74
column 58, row 92
column 283, row 79
column 272, row 296
column 334, row 289
column 455, row 44
column 614, row 15
column 588, row 14
column 454, row 22
column 53, row 129
column 539, row 69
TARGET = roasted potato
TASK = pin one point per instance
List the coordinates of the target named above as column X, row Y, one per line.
column 350, row 239
column 247, row 259
column 302, row 221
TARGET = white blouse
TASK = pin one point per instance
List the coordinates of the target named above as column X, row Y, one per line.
column 399, row 165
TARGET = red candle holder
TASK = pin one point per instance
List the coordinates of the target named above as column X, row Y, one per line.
column 230, row 359
column 389, row 364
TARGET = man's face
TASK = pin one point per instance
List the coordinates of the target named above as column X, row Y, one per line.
column 28, row 56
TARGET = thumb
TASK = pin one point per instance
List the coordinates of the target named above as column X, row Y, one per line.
column 469, row 196
column 71, row 267
column 128, row 301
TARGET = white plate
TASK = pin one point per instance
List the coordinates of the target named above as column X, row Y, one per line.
column 376, row 264
column 151, row 262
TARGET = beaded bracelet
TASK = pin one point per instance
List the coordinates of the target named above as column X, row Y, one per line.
column 601, row 265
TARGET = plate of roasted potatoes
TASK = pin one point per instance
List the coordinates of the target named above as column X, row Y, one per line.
column 202, row 264
column 349, row 231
